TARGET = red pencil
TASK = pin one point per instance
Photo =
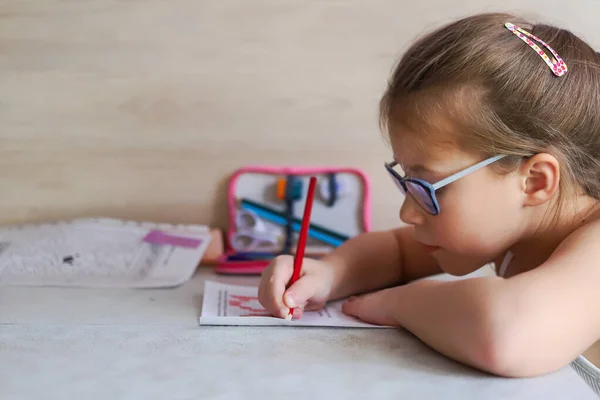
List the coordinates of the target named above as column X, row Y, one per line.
column 303, row 235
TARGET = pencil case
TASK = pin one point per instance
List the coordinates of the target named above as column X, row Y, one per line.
column 266, row 205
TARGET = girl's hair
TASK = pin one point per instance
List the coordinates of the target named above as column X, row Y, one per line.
column 478, row 78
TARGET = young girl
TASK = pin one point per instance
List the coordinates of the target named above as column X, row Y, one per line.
column 496, row 142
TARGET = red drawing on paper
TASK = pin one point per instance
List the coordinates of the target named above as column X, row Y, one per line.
column 247, row 306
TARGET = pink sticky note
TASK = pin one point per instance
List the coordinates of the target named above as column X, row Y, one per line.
column 159, row 237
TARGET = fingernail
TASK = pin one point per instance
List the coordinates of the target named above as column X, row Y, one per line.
column 289, row 301
column 346, row 307
column 297, row 313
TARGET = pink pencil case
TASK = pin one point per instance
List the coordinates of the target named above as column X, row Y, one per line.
column 266, row 205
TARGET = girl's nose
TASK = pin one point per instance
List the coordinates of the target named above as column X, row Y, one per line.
column 410, row 212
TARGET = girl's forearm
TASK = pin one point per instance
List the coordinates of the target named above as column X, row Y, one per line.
column 460, row 319
column 367, row 262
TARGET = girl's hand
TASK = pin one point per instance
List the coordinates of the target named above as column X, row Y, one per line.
column 310, row 292
column 377, row 308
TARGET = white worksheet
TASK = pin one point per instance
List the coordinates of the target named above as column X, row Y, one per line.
column 101, row 252
column 225, row 304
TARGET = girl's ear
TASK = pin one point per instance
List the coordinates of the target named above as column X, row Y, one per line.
column 540, row 178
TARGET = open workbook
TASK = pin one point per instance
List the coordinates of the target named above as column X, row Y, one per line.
column 225, row 304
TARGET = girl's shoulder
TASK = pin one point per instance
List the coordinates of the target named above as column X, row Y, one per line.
column 584, row 237
column 579, row 252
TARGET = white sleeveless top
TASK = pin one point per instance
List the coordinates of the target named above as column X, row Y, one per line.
column 504, row 266
column 585, row 369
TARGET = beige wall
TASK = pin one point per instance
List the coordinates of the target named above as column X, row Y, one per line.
column 131, row 109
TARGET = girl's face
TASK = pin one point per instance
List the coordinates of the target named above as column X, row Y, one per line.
column 481, row 214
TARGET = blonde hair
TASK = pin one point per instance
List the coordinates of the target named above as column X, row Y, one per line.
column 501, row 97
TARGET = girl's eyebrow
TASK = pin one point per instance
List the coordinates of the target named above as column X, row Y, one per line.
column 418, row 168
column 414, row 169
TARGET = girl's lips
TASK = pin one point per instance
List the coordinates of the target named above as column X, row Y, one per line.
column 430, row 249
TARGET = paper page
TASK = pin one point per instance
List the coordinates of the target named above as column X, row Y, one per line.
column 225, row 304
column 100, row 253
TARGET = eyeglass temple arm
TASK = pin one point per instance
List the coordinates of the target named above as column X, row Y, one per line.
column 466, row 171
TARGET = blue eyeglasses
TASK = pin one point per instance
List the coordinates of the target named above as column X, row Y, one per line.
column 424, row 192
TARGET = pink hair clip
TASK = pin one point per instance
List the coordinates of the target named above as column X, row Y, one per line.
column 558, row 66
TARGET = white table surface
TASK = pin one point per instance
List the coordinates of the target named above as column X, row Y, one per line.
column 75, row 343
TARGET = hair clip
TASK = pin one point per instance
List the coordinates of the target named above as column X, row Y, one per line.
column 558, row 66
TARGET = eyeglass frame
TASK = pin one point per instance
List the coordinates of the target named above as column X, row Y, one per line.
column 431, row 188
